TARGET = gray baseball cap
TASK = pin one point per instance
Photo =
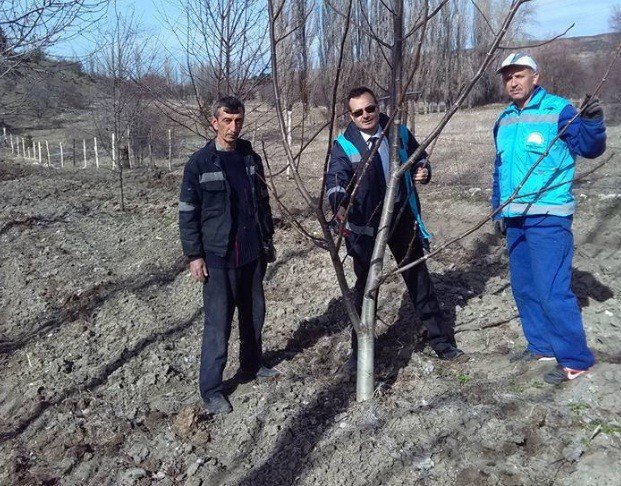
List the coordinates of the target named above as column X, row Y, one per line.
column 518, row 59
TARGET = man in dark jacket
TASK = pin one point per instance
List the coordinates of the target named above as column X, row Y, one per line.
column 226, row 229
column 408, row 232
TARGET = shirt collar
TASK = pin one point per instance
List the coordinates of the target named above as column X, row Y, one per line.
column 366, row 136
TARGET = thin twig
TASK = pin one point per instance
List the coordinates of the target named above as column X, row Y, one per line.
column 543, row 43
column 272, row 187
column 479, row 225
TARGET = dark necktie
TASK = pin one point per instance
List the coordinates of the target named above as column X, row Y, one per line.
column 372, row 142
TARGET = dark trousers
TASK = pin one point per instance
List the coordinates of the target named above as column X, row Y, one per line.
column 225, row 290
column 441, row 336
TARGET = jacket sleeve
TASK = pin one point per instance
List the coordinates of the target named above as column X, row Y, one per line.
column 495, row 180
column 265, row 210
column 586, row 138
column 190, row 202
column 423, row 161
column 338, row 178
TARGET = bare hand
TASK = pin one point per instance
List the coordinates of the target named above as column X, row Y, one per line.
column 421, row 174
column 198, row 269
column 340, row 217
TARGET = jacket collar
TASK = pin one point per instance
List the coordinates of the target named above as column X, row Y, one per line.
column 534, row 102
column 535, row 99
column 243, row 147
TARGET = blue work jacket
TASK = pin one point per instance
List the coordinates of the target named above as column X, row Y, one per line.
column 522, row 138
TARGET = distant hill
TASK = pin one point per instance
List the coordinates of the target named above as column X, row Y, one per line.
column 586, row 46
column 38, row 90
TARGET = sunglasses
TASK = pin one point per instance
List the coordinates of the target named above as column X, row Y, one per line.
column 368, row 109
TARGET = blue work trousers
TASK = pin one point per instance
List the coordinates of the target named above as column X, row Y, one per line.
column 540, row 253
column 224, row 290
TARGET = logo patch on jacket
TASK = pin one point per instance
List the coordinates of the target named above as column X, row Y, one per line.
column 535, row 138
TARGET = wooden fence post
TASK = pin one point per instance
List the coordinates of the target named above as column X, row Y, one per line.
column 289, row 122
column 96, row 152
column 151, row 161
column 84, row 150
column 113, row 152
column 169, row 149
column 40, row 158
column 49, row 159
column 23, row 149
column 12, row 147
column 62, row 159
column 74, row 158
column 130, row 152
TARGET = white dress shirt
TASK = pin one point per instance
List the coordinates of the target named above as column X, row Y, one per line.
column 383, row 150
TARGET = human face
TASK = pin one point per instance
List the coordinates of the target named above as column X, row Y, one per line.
column 227, row 127
column 365, row 121
column 519, row 83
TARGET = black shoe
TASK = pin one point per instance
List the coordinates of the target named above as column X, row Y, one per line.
column 528, row 356
column 452, row 354
column 263, row 372
column 217, row 404
column 267, row 373
column 561, row 374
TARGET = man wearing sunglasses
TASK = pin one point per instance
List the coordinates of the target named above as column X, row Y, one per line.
column 350, row 167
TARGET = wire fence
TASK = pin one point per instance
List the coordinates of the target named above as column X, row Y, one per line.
column 93, row 152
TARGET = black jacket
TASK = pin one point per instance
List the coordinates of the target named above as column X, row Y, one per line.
column 205, row 201
column 367, row 206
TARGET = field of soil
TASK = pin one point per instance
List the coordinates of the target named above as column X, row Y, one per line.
column 100, row 328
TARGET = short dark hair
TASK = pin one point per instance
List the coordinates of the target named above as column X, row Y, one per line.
column 356, row 93
column 230, row 104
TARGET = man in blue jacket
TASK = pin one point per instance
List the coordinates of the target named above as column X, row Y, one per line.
column 347, row 175
column 538, row 221
column 226, row 228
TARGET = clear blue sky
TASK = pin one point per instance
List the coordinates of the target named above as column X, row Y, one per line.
column 554, row 16
column 551, row 17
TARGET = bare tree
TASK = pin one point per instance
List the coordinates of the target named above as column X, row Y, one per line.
column 30, row 25
column 27, row 29
column 224, row 52
column 615, row 18
column 384, row 27
column 122, row 55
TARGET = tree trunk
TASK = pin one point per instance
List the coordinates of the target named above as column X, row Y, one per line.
column 365, row 384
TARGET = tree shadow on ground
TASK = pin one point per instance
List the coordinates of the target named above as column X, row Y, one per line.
column 292, row 455
column 333, row 321
column 83, row 305
column 454, row 287
column 281, row 261
column 100, row 376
